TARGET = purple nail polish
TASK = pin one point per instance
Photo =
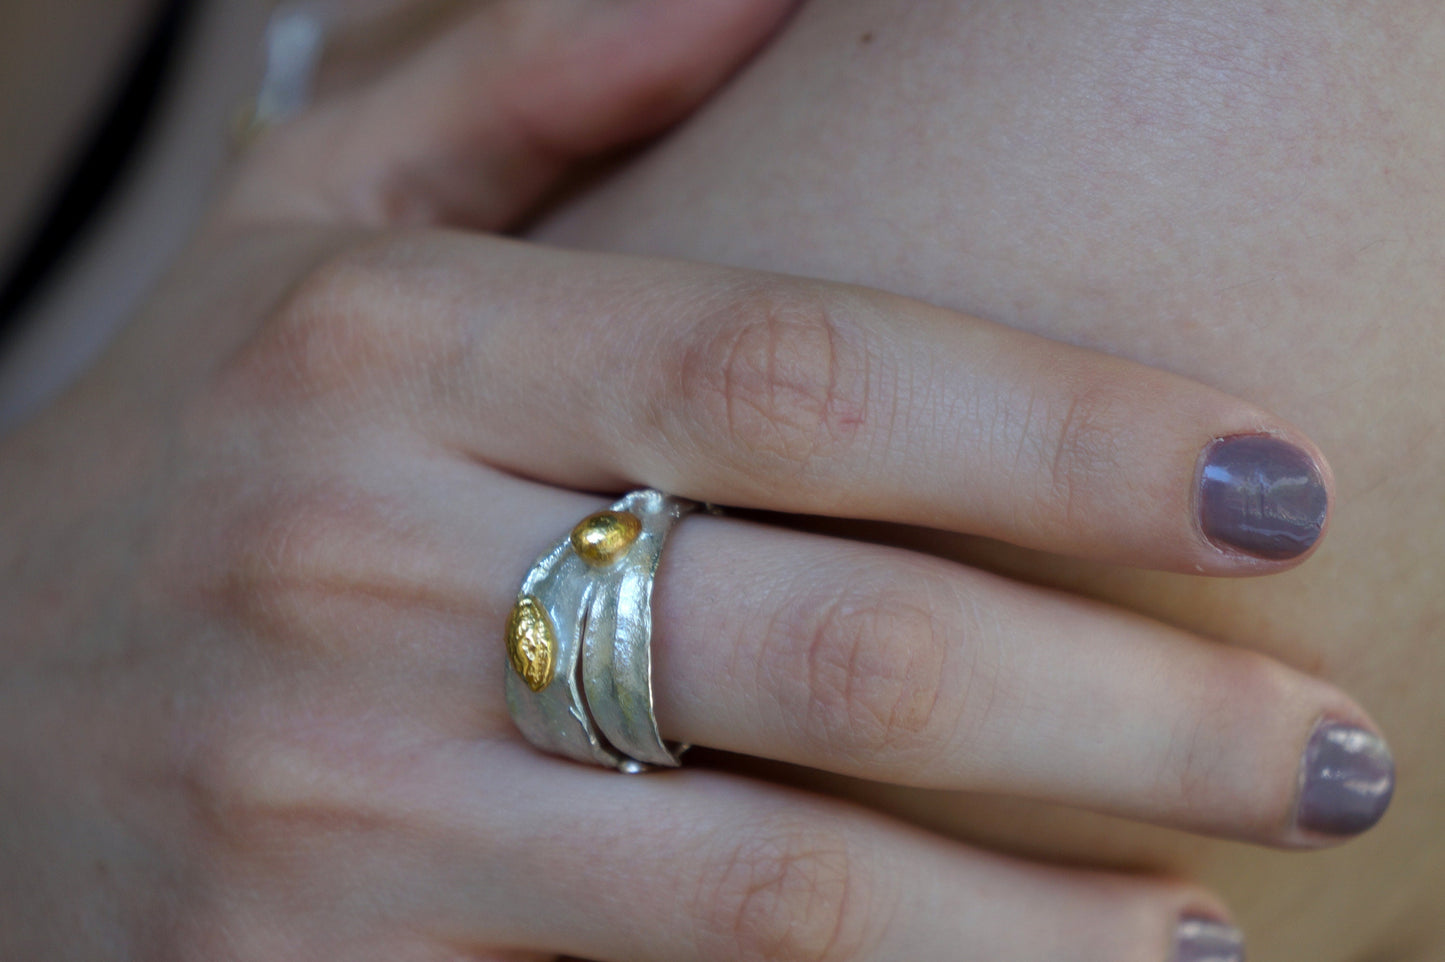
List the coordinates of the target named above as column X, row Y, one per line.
column 1347, row 778
column 1262, row 496
column 1205, row 940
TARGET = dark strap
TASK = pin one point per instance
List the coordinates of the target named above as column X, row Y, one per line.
column 96, row 170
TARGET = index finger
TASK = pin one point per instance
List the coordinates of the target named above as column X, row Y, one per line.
column 779, row 393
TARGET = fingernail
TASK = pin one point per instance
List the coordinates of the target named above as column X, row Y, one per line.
column 1205, row 940
column 1346, row 780
column 1260, row 495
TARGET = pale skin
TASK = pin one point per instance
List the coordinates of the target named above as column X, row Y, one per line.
column 1248, row 195
column 247, row 714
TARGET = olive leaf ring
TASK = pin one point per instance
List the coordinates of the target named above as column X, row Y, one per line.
column 579, row 639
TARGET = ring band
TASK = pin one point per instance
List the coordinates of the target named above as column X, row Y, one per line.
column 579, row 639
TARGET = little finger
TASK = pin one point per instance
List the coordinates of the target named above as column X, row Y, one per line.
column 699, row 865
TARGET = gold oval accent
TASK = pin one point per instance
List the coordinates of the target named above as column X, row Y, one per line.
column 531, row 642
column 604, row 537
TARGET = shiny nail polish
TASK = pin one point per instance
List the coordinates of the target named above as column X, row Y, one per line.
column 1347, row 778
column 1205, row 940
column 1262, row 496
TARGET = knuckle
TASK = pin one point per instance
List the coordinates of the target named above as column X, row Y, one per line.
column 227, row 787
column 338, row 328
column 1073, row 450
column 779, row 374
column 873, row 670
column 1190, row 767
column 1215, row 737
column 259, row 786
column 282, row 557
column 324, row 332
column 792, row 890
column 321, row 568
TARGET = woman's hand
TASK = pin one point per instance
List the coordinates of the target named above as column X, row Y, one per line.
column 258, row 563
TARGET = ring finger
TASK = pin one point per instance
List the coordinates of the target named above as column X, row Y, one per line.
column 879, row 663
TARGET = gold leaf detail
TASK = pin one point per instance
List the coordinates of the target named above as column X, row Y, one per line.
column 531, row 642
column 604, row 537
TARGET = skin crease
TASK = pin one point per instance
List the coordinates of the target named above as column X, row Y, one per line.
column 1248, row 194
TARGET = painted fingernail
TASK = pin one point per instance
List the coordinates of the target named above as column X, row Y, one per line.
column 1346, row 780
column 1206, row 940
column 1259, row 495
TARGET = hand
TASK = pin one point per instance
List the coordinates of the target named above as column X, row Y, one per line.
column 257, row 566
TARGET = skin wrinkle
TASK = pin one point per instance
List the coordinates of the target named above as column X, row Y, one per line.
column 928, row 714
column 782, row 861
column 891, row 392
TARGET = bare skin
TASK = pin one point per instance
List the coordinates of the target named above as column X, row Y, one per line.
column 249, row 559
column 1250, row 195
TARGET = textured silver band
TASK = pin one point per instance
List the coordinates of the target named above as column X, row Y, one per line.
column 579, row 682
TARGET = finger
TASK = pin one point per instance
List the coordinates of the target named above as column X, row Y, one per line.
column 858, row 659
column 879, row 663
column 475, row 127
column 883, row 664
column 701, row 865
column 792, row 395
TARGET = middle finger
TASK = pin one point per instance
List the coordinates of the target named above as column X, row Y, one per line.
column 876, row 662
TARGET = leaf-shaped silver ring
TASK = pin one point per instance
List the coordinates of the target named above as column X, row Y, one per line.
column 579, row 639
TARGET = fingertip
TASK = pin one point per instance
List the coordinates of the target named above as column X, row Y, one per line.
column 1205, row 938
column 1346, row 782
column 1259, row 497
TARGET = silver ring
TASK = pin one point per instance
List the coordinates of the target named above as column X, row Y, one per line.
column 579, row 639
